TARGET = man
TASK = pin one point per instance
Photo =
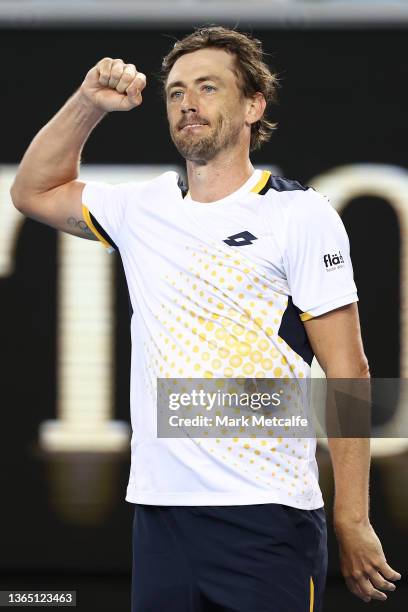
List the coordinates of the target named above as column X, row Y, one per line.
column 229, row 279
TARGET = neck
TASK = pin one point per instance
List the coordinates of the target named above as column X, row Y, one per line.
column 219, row 177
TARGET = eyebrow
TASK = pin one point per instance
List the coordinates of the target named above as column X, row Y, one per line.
column 210, row 77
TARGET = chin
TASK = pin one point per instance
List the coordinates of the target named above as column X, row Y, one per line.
column 194, row 147
column 195, row 151
column 200, row 155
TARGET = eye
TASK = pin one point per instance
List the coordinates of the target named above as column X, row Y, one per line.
column 209, row 88
column 176, row 95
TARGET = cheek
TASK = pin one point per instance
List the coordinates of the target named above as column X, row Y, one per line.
column 231, row 111
column 228, row 118
column 172, row 116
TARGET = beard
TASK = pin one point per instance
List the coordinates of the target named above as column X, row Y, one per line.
column 203, row 148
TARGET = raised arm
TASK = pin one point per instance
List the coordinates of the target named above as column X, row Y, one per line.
column 46, row 186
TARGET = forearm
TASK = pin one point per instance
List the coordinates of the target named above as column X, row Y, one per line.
column 348, row 422
column 53, row 157
column 351, row 466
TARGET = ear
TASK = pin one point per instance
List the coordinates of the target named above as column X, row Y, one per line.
column 255, row 108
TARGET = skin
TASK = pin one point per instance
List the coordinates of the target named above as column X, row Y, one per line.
column 217, row 157
column 335, row 338
column 217, row 153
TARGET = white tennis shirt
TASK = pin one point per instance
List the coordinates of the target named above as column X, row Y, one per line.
column 221, row 290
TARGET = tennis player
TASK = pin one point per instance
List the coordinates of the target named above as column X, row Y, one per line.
column 240, row 274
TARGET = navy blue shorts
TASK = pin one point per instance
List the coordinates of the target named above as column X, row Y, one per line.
column 255, row 558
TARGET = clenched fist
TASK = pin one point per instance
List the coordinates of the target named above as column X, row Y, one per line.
column 112, row 85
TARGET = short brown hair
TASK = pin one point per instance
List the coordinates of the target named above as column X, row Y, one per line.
column 256, row 75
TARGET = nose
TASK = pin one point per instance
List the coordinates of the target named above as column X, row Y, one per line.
column 189, row 103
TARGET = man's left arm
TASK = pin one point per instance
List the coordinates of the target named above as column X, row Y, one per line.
column 335, row 338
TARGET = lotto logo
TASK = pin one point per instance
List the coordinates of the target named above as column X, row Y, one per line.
column 241, row 239
column 333, row 260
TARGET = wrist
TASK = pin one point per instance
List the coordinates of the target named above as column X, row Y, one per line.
column 346, row 518
column 87, row 106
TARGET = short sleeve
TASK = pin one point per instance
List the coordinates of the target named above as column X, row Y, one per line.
column 103, row 209
column 317, row 257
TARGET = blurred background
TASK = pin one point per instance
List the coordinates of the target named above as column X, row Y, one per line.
column 64, row 326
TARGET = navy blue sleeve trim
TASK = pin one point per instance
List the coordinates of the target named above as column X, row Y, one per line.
column 102, row 232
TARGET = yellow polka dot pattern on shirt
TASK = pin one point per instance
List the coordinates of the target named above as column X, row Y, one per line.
column 223, row 322
column 229, row 336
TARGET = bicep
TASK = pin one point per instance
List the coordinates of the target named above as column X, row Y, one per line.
column 335, row 338
column 61, row 208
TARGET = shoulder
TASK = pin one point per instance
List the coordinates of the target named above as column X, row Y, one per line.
column 296, row 199
column 294, row 209
column 285, row 193
column 281, row 184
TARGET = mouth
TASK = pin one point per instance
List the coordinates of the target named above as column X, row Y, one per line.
column 192, row 126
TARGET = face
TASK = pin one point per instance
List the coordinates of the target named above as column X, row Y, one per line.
column 205, row 107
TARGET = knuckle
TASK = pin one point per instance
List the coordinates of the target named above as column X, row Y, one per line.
column 131, row 68
column 133, row 87
column 372, row 592
column 135, row 95
column 357, row 574
column 136, row 87
column 116, row 69
column 127, row 77
column 114, row 79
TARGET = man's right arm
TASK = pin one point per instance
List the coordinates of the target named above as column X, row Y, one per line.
column 46, row 186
